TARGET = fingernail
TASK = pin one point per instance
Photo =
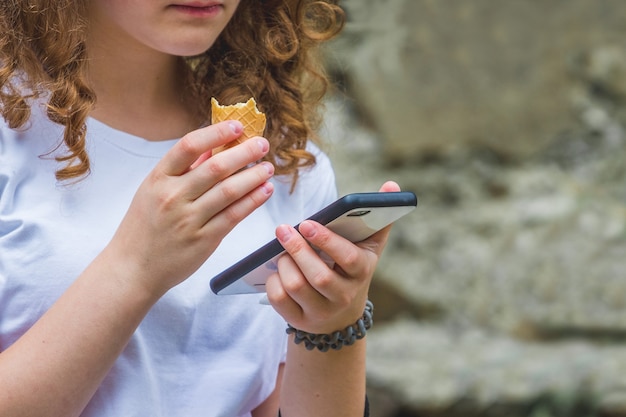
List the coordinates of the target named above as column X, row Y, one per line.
column 307, row 229
column 235, row 126
column 267, row 188
column 283, row 233
column 268, row 167
column 263, row 145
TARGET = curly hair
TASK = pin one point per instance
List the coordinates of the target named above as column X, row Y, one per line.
column 267, row 51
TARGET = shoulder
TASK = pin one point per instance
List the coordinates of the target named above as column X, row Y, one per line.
column 38, row 135
column 28, row 151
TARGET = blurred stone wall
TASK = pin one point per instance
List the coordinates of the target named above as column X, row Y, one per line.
column 431, row 75
column 504, row 293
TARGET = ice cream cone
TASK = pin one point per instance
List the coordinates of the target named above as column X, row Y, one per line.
column 251, row 118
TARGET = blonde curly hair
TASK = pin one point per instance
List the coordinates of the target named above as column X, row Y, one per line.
column 267, row 51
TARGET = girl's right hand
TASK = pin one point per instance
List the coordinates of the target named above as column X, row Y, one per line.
column 187, row 204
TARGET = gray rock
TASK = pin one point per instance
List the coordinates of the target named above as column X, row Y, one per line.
column 508, row 273
column 433, row 368
column 504, row 293
column 431, row 76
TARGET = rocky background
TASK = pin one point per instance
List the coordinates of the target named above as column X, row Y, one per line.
column 504, row 293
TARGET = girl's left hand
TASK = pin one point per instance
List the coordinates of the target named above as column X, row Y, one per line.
column 313, row 296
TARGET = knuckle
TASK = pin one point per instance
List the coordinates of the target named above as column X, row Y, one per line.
column 166, row 201
column 240, row 207
column 300, row 246
column 188, row 145
column 183, row 227
column 296, row 245
column 351, row 258
column 368, row 270
column 228, row 192
column 323, row 279
column 278, row 296
column 369, row 266
column 323, row 237
column 154, row 182
column 295, row 285
column 216, row 167
column 258, row 198
column 343, row 301
column 233, row 215
column 274, row 289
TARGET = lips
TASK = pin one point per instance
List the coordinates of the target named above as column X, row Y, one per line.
column 198, row 8
column 198, row 4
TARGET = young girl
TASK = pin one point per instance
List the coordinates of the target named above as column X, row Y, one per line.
column 114, row 216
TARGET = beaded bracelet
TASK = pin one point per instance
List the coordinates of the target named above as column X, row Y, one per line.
column 338, row 339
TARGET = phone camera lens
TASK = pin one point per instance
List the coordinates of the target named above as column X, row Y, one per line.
column 359, row 213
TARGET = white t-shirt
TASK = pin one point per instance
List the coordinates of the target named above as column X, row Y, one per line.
column 195, row 353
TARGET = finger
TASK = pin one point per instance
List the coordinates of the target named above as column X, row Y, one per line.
column 188, row 149
column 282, row 302
column 349, row 258
column 293, row 296
column 226, row 219
column 232, row 189
column 315, row 271
column 222, row 166
column 389, row 186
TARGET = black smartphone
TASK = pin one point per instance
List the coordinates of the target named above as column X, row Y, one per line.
column 355, row 216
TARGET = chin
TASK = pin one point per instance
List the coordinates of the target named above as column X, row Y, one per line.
column 190, row 49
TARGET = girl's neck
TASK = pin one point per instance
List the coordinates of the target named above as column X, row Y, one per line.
column 141, row 92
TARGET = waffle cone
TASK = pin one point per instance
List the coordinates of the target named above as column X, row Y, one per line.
column 251, row 118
